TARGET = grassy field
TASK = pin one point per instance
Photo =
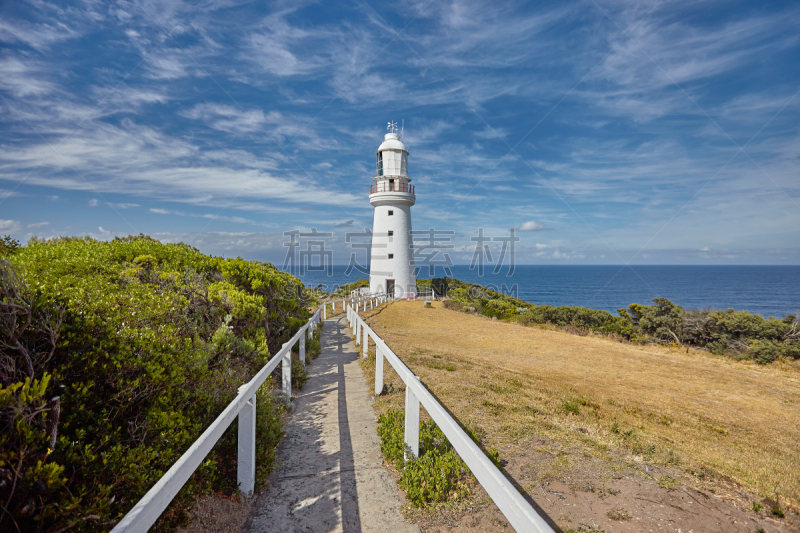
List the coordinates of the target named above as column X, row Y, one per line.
column 609, row 403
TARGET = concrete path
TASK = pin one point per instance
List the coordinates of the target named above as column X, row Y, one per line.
column 330, row 476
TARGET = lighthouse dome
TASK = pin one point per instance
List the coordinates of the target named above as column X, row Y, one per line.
column 392, row 142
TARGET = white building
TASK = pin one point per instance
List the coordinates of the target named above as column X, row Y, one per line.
column 392, row 195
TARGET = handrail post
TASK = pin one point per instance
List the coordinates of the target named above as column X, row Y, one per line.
column 365, row 352
column 411, row 424
column 246, row 454
column 303, row 347
column 325, row 311
column 286, row 372
column 378, row 369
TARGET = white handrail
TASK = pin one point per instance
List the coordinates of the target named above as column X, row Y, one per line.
column 514, row 506
column 147, row 510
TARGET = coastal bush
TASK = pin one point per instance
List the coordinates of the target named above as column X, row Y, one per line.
column 344, row 290
column 738, row 334
column 499, row 308
column 660, row 321
column 764, row 351
column 114, row 357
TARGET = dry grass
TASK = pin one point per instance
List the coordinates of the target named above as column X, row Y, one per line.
column 594, row 400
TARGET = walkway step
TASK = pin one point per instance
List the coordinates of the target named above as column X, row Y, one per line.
column 330, row 476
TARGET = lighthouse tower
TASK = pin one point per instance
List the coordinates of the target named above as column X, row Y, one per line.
column 392, row 195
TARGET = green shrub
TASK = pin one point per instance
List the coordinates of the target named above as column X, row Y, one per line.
column 299, row 374
column 438, row 474
column 764, row 351
column 313, row 345
column 132, row 349
column 663, row 321
column 792, row 350
column 269, row 432
column 344, row 290
column 499, row 308
column 8, row 245
column 435, row 478
column 390, row 430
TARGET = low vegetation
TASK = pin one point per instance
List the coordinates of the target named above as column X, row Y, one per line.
column 738, row 334
column 114, row 357
column 437, row 475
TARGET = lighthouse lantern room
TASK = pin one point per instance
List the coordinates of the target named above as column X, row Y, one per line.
column 392, row 195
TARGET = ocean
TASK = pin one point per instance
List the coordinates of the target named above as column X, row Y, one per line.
column 766, row 290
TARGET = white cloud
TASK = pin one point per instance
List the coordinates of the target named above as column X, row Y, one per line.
column 227, row 118
column 10, row 226
column 492, row 133
column 270, row 48
column 24, row 78
column 38, row 36
column 532, row 226
column 131, row 158
column 94, row 202
column 8, row 193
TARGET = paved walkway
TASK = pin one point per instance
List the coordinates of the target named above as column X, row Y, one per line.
column 330, row 476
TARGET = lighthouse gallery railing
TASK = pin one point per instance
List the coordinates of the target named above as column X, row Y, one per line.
column 385, row 186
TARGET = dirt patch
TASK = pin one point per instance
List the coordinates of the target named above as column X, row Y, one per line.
column 605, row 436
column 218, row 514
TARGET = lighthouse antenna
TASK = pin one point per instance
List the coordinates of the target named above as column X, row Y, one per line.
column 402, row 127
column 391, row 126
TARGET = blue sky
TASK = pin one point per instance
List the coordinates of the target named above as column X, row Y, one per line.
column 602, row 131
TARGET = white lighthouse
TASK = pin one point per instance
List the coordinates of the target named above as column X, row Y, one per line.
column 392, row 261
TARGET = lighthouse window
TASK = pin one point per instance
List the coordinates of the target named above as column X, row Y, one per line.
column 391, row 213
column 391, row 233
column 380, row 163
column 391, row 256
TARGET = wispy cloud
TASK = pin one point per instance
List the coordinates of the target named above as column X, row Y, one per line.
column 618, row 123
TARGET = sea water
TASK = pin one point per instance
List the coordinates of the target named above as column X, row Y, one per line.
column 766, row 290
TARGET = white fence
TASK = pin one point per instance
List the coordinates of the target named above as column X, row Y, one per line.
column 424, row 293
column 515, row 507
column 145, row 513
